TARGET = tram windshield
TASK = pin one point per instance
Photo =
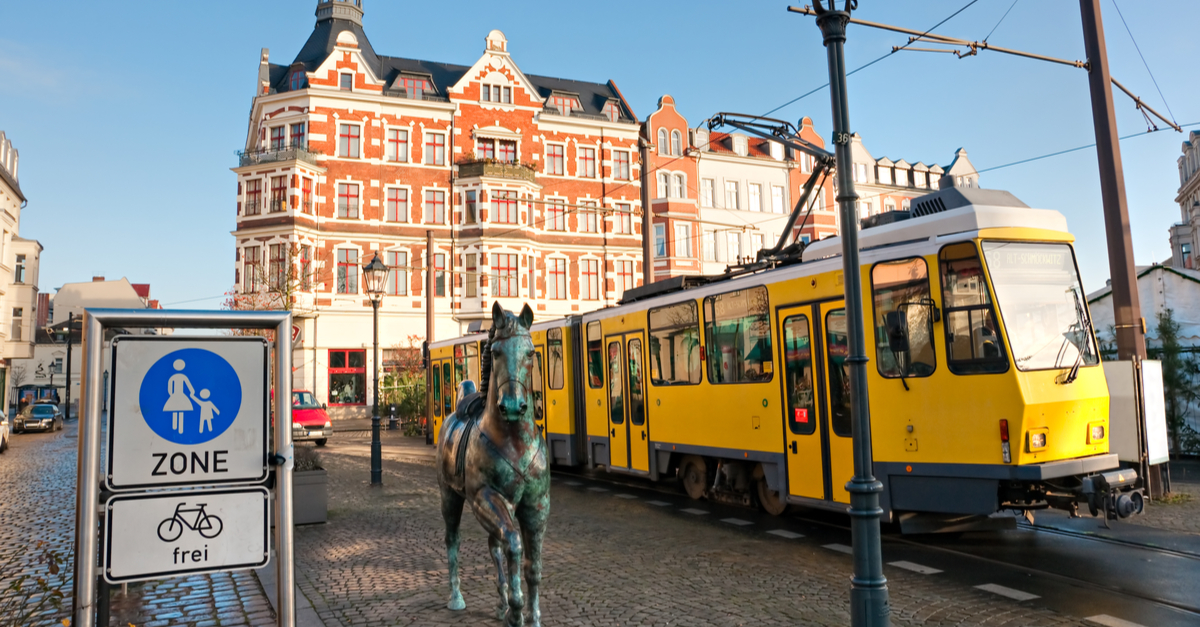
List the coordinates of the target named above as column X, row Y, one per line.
column 1042, row 304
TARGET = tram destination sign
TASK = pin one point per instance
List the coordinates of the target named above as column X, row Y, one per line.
column 187, row 412
column 165, row 534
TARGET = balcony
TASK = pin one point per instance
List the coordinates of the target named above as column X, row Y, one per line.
column 472, row 168
column 252, row 207
column 277, row 153
column 277, row 205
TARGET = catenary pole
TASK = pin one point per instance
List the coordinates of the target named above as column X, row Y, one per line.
column 430, row 286
column 647, row 213
column 868, row 587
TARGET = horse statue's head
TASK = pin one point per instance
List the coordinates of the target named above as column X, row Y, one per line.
column 511, row 349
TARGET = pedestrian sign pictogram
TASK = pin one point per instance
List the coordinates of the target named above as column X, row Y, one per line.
column 187, row 412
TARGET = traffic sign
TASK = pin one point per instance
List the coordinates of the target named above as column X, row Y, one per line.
column 187, row 412
column 164, row 534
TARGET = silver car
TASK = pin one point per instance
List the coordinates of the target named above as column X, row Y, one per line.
column 38, row 417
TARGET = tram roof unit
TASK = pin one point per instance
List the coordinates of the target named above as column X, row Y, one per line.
column 477, row 337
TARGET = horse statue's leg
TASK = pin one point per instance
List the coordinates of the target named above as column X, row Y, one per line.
column 497, row 548
column 496, row 515
column 532, row 517
column 452, row 507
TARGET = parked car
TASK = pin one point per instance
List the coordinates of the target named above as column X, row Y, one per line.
column 5, row 433
column 310, row 423
column 38, row 417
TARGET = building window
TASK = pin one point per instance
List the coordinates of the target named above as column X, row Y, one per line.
column 589, row 279
column 586, row 163
column 620, row 165
column 675, row 355
column 663, row 147
column 660, row 240
column 504, row 207
column 495, row 93
column 904, row 205
column 758, row 242
column 250, row 268
column 564, row 104
column 556, row 279
column 299, row 136
column 439, row 274
column 934, row 182
column 707, row 187
column 471, row 208
column 435, row 206
column 612, row 111
column 277, row 137
column 347, row 377
column 346, row 82
column 19, row 271
column 348, row 136
column 710, row 246
column 679, row 186
column 347, row 200
column 253, row 197
column 397, row 145
column 556, row 216
column 485, row 149
column 777, row 199
column 554, row 159
column 297, row 80
column 889, row 205
column 588, row 217
column 414, row 87
column 738, row 336
column 623, row 219
column 504, row 269
column 731, row 195
column 805, row 164
column 676, row 143
column 529, row 263
column 435, row 149
column 17, row 325
column 278, row 194
column 884, row 175
column 306, row 269
column 471, row 276
column 1185, row 252
column 755, row 191
column 735, row 247
column 860, row 173
column 397, row 205
column 347, row 271
column 624, row 276
column 506, row 150
column 683, row 240
column 662, row 185
column 277, row 266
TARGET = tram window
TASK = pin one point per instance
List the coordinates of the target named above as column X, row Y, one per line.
column 472, row 359
column 637, row 410
column 434, row 377
column 616, row 405
column 460, row 365
column 903, row 286
column 595, row 356
column 447, row 389
column 837, row 348
column 973, row 344
column 738, row 335
column 675, row 345
column 539, row 395
column 1042, row 303
column 802, row 407
column 555, row 346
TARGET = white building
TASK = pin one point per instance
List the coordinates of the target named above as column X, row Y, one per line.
column 1185, row 235
column 19, row 262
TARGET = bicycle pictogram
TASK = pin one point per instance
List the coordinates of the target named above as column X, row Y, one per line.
column 205, row 524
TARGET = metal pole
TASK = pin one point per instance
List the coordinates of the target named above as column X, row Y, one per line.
column 430, row 286
column 376, row 445
column 868, row 588
column 88, row 477
column 284, row 556
column 647, row 212
column 1127, row 311
column 70, row 327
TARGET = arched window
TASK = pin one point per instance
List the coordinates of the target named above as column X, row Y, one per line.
column 663, row 148
column 678, row 192
column 676, row 144
column 662, row 185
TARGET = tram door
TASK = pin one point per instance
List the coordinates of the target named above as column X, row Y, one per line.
column 837, row 389
column 538, row 391
column 807, row 431
column 629, row 437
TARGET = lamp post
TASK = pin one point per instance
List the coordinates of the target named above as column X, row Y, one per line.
column 60, row 333
column 374, row 277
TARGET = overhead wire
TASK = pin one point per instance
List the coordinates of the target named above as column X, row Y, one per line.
column 1010, row 8
column 1139, row 51
column 1078, row 148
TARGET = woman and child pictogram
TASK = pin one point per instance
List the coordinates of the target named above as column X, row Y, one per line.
column 179, row 401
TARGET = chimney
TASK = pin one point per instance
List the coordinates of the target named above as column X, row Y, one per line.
column 97, row 279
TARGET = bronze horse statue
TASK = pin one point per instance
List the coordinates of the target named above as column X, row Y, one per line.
column 491, row 455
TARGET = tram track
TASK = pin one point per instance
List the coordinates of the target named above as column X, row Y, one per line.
column 930, row 543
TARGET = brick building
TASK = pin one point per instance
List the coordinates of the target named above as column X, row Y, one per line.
column 20, row 260
column 529, row 184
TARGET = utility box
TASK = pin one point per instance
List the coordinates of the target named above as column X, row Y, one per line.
column 1128, row 398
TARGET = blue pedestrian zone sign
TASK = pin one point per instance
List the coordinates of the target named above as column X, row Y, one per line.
column 187, row 412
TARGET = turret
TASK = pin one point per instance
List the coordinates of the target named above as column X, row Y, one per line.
column 349, row 10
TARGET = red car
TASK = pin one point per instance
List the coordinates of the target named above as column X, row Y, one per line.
column 309, row 420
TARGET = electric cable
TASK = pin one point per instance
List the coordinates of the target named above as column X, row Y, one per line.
column 1139, row 51
column 1010, row 8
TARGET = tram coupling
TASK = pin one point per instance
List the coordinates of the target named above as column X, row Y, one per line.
column 1113, row 493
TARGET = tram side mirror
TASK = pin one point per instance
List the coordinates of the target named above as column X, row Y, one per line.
column 896, row 323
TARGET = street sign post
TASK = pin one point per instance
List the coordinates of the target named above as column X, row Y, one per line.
column 187, row 411
column 166, row 534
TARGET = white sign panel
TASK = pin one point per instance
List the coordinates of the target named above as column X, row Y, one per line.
column 1157, row 447
column 151, row 536
column 187, row 412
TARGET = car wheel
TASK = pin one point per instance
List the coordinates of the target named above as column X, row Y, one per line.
column 321, row 442
column 3, row 445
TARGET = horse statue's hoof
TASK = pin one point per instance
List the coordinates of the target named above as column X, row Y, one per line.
column 456, row 602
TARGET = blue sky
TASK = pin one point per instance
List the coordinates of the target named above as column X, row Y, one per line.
column 128, row 115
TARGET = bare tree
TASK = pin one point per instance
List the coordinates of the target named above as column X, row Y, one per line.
column 273, row 284
column 17, row 375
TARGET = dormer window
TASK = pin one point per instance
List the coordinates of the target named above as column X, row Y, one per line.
column 297, row 80
column 414, row 86
column 565, row 104
column 346, row 82
column 612, row 111
column 739, row 145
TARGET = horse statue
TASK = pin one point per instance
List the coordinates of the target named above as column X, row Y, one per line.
column 491, row 455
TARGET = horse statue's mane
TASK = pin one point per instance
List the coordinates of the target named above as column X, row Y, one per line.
column 509, row 326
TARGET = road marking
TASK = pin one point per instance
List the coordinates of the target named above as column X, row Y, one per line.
column 1111, row 621
column 736, row 521
column 625, row 496
column 840, row 548
column 693, row 511
column 598, row 489
column 658, row 503
column 916, row 568
column 1016, row 595
column 784, row 533
column 573, row 483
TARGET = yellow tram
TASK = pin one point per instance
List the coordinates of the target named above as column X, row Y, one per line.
column 986, row 392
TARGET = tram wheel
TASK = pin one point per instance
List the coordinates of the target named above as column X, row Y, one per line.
column 693, row 476
column 772, row 503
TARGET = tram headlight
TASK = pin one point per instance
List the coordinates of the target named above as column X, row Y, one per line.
column 1036, row 440
column 1096, row 433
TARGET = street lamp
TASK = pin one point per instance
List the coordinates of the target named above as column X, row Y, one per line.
column 69, row 336
column 375, row 276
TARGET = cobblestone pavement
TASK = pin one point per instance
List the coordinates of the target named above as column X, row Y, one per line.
column 1183, row 512
column 608, row 561
column 37, row 503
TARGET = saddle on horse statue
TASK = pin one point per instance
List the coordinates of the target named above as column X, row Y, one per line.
column 492, row 455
